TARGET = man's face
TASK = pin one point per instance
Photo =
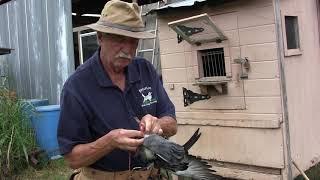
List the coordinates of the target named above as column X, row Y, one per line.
column 117, row 50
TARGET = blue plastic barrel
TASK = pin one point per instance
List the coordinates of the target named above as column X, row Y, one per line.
column 45, row 124
column 30, row 104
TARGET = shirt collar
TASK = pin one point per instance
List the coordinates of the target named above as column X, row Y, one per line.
column 132, row 71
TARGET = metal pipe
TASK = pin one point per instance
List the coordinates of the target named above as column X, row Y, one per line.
column 285, row 114
column 300, row 170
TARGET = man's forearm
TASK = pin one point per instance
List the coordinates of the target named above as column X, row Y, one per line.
column 168, row 126
column 86, row 154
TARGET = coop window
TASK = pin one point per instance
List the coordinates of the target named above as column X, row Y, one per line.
column 213, row 62
column 292, row 32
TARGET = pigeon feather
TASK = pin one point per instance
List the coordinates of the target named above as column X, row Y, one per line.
column 174, row 157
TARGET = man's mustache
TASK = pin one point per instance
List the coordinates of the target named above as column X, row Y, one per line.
column 124, row 55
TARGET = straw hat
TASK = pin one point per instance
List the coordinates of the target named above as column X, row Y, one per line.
column 121, row 18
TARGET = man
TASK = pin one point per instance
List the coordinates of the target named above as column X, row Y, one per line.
column 112, row 101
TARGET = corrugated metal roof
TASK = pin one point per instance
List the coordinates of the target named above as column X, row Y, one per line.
column 181, row 4
column 188, row 3
column 184, row 3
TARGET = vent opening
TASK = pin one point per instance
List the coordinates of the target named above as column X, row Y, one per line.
column 213, row 62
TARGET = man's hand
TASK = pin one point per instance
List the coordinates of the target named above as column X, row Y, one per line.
column 86, row 154
column 150, row 125
column 126, row 139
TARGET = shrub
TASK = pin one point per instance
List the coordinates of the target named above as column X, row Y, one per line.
column 16, row 134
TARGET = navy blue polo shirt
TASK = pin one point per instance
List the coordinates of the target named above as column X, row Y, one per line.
column 92, row 106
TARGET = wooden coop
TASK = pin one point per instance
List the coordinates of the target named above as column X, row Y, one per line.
column 246, row 73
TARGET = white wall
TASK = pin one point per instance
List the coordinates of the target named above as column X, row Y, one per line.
column 303, row 85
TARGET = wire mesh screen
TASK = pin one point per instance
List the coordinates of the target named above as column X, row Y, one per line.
column 213, row 63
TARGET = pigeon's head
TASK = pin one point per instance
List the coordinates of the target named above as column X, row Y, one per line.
column 144, row 152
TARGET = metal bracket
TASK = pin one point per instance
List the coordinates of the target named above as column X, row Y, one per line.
column 4, row 51
column 190, row 97
column 245, row 67
column 189, row 31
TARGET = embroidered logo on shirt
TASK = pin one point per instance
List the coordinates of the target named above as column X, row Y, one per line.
column 148, row 97
column 146, row 93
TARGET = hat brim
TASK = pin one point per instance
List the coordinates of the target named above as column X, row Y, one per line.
column 112, row 30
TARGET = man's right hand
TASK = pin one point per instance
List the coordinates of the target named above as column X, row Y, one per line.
column 86, row 154
column 126, row 139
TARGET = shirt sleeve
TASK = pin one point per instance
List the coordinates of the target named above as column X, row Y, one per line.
column 73, row 126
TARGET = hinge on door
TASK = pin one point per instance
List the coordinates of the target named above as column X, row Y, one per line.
column 190, row 97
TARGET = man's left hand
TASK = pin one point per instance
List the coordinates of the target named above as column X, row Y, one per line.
column 150, row 125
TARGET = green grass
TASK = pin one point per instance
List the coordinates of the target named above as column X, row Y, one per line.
column 53, row 170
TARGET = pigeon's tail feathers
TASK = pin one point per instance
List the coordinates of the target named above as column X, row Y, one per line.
column 194, row 138
column 198, row 169
column 161, row 162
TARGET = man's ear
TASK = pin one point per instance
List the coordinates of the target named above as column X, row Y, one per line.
column 99, row 37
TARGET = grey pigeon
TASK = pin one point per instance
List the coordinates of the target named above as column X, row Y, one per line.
column 170, row 156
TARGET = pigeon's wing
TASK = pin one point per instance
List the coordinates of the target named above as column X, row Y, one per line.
column 194, row 138
column 198, row 169
column 169, row 154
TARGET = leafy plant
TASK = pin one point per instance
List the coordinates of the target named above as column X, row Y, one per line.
column 16, row 134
